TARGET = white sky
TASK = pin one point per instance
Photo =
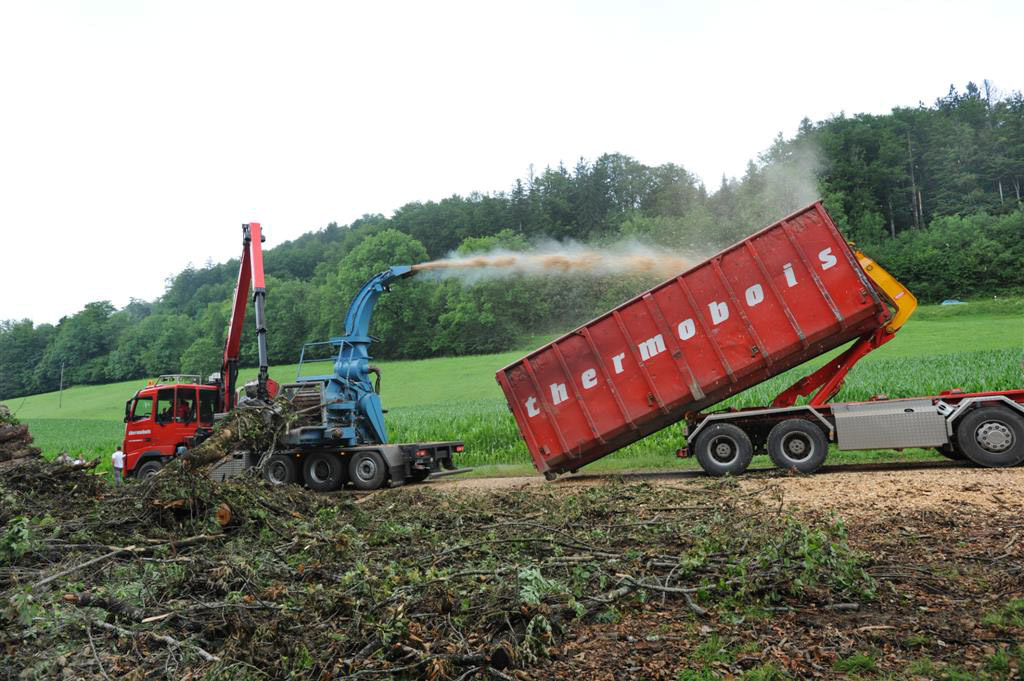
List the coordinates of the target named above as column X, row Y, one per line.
column 135, row 137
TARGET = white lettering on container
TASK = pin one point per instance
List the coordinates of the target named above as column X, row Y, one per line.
column 787, row 269
column 719, row 312
column 827, row 259
column 686, row 329
column 531, row 407
column 617, row 362
column 755, row 294
column 652, row 346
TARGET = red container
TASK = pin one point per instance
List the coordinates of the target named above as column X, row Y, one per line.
column 778, row 298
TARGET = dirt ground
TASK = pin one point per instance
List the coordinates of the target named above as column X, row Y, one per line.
column 852, row 491
column 944, row 542
column 650, row 575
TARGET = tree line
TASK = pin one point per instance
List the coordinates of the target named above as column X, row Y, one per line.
column 934, row 193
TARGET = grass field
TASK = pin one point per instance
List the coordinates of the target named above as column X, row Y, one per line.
column 973, row 347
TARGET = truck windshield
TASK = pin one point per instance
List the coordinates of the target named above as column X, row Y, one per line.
column 143, row 408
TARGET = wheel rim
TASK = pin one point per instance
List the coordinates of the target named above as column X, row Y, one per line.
column 277, row 472
column 366, row 468
column 797, row 446
column 994, row 436
column 723, row 449
column 320, row 471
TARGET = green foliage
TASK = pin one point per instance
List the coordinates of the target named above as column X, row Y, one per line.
column 21, row 607
column 713, row 649
column 17, row 540
column 397, row 319
column 764, row 672
column 202, row 357
column 534, row 586
column 932, row 193
column 978, row 255
column 1010, row 616
column 857, row 663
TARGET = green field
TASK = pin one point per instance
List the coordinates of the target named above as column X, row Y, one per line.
column 972, row 347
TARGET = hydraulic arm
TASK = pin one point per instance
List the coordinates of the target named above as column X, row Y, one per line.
column 829, row 379
column 250, row 272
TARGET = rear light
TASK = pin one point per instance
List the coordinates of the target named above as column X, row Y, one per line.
column 460, row 448
column 422, row 452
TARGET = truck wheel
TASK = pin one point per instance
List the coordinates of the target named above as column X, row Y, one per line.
column 323, row 472
column 281, row 470
column 723, row 449
column 992, row 437
column 148, row 470
column 366, row 470
column 797, row 444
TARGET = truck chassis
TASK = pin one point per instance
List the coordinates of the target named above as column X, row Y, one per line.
column 366, row 467
column 986, row 428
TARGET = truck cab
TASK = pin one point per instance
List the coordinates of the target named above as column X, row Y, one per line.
column 162, row 417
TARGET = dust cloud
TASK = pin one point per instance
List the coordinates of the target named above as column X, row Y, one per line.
column 558, row 258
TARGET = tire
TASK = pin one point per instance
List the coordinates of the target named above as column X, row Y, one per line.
column 148, row 469
column 281, row 470
column 797, row 444
column 992, row 437
column 366, row 470
column 723, row 449
column 323, row 472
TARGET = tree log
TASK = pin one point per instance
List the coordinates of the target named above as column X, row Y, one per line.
column 11, row 432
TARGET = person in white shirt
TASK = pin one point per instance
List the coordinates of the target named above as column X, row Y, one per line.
column 118, row 462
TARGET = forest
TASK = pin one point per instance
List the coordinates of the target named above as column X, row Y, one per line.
column 932, row 192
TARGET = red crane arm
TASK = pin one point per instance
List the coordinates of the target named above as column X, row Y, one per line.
column 250, row 272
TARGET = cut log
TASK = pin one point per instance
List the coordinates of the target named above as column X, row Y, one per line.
column 12, row 432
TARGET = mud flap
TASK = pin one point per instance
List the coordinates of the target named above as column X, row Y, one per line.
column 397, row 474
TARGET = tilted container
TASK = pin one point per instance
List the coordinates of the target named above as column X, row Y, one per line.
column 780, row 297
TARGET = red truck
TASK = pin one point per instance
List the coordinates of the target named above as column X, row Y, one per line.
column 785, row 295
column 177, row 410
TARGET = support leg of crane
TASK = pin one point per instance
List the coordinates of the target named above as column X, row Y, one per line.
column 828, row 379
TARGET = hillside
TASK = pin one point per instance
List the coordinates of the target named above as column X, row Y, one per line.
column 932, row 192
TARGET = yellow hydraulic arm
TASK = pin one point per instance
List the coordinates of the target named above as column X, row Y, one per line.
column 828, row 379
column 894, row 292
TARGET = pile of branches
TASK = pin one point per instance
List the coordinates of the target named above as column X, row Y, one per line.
column 254, row 426
column 188, row 578
column 15, row 440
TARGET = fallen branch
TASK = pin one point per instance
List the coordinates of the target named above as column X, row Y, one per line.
column 128, row 551
column 95, row 656
column 169, row 640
